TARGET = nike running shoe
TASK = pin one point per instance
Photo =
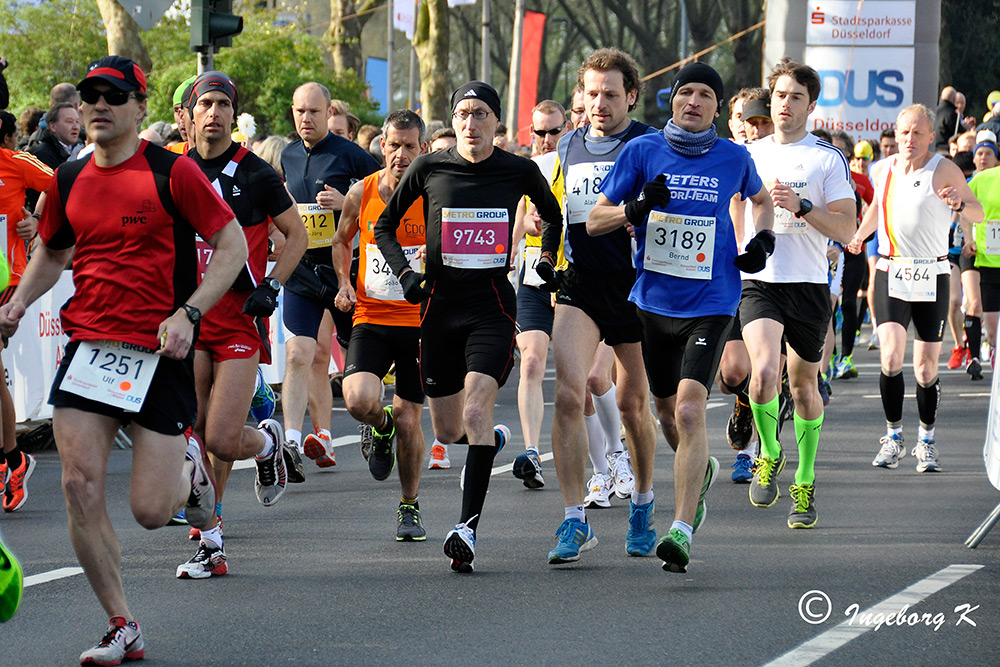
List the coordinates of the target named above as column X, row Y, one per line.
column 742, row 469
column 575, row 536
column 764, row 487
column 269, row 485
column 208, row 561
column 439, row 458
column 16, row 491
column 674, row 550
column 528, row 469
column 891, row 450
column 317, row 447
column 845, row 369
column 641, row 536
column 200, row 507
column 408, row 528
column 600, row 488
column 621, row 472
column 382, row 460
column 975, row 369
column 926, row 455
column 803, row 512
column 293, row 462
column 740, row 428
column 121, row 643
column 460, row 547
column 959, row 355
column 711, row 472
column 11, row 584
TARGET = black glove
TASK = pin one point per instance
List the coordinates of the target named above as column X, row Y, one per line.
column 655, row 194
column 754, row 258
column 413, row 289
column 261, row 302
column 546, row 270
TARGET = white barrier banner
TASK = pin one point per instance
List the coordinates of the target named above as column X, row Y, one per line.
column 991, row 449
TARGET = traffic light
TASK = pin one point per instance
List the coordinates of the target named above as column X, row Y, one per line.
column 213, row 24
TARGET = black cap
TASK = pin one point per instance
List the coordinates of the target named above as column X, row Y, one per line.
column 698, row 72
column 120, row 72
column 477, row 90
column 207, row 82
column 756, row 108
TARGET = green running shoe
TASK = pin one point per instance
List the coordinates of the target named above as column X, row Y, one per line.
column 11, row 584
column 674, row 550
column 803, row 513
column 764, row 487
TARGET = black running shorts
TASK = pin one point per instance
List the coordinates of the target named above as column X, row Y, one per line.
column 170, row 406
column 928, row 317
column 604, row 298
column 464, row 328
column 375, row 347
column 675, row 349
column 802, row 308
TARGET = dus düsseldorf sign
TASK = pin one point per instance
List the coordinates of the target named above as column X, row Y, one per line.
column 865, row 54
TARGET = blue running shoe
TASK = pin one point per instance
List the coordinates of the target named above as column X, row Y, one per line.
column 574, row 536
column 262, row 404
column 641, row 536
column 528, row 469
column 742, row 469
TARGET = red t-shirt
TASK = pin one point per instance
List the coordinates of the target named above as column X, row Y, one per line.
column 133, row 265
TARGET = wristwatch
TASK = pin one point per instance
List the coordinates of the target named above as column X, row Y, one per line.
column 193, row 313
column 805, row 207
column 273, row 284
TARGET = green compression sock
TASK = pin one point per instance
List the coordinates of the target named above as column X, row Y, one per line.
column 765, row 416
column 807, row 436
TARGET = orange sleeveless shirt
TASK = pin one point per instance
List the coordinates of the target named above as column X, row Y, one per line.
column 380, row 297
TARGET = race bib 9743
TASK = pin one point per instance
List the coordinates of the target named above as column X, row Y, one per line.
column 474, row 238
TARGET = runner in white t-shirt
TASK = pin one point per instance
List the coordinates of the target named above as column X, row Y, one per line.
column 809, row 181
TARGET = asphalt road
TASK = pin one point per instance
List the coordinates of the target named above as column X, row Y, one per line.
column 319, row 579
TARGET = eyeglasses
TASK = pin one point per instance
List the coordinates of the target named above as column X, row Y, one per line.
column 115, row 98
column 554, row 131
column 478, row 114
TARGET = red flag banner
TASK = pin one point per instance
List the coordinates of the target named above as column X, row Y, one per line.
column 532, row 31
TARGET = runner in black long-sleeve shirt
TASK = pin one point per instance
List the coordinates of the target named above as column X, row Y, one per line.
column 470, row 196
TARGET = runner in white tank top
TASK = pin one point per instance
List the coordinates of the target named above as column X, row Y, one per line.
column 916, row 194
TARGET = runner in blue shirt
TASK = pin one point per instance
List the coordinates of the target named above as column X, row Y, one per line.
column 676, row 186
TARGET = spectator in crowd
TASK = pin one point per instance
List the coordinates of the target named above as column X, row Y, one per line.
column 61, row 141
column 500, row 137
column 443, row 138
column 28, row 123
column 947, row 119
column 270, row 149
column 365, row 135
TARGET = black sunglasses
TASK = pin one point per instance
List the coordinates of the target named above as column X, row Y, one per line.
column 115, row 98
column 554, row 131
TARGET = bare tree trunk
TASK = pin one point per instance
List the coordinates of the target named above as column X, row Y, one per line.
column 431, row 43
column 123, row 34
column 343, row 37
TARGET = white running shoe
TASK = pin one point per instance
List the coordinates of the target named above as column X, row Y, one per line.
column 122, row 642
column 600, row 487
column 208, row 561
column 621, row 471
column 926, row 455
column 439, row 458
column 892, row 449
column 200, row 507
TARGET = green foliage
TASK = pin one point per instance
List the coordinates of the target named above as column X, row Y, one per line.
column 266, row 62
column 47, row 43
column 53, row 41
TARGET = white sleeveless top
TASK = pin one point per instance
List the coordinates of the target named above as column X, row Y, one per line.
column 912, row 220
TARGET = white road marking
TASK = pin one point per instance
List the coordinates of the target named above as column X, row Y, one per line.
column 829, row 641
column 52, row 575
column 499, row 470
column 342, row 441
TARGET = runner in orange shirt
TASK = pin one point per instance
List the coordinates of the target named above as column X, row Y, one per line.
column 386, row 326
column 18, row 171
